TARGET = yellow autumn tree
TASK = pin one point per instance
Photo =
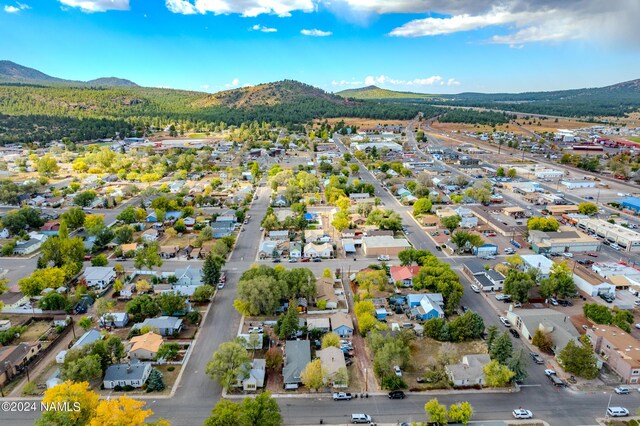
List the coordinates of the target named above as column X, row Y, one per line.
column 120, row 411
column 73, row 394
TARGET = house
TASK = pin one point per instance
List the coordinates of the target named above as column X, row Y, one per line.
column 403, row 276
column 324, row 250
column 100, row 276
column 359, row 196
column 150, row 235
column 542, row 263
column 176, row 186
column 280, row 201
column 145, row 347
column 267, row 249
column 383, row 245
column 381, row 314
column 255, row 378
column 297, row 354
column 490, row 280
column 61, row 320
column 166, row 326
column 282, row 235
column 6, row 324
column 315, row 323
column 152, row 217
column 189, row 276
column 189, row 223
column 470, row 371
column 114, row 319
column 556, row 324
column 4, row 233
column 134, row 375
column 341, row 324
column 50, row 228
column 333, row 362
column 619, row 350
column 295, row 250
column 426, row 306
column 87, row 338
column 222, row 229
column 169, row 252
column 326, row 292
column 128, row 248
column 13, row 300
column 14, row 358
column 24, row 248
column 316, row 235
column 128, row 290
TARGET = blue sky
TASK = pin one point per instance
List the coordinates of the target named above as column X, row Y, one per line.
column 419, row 45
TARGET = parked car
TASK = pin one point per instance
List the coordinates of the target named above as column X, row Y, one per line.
column 501, row 296
column 514, row 333
column 383, row 258
column 276, row 260
column 220, row 285
column 397, row 370
column 536, row 358
column 592, row 254
column 396, row 395
column 621, row 390
column 293, row 260
column 549, row 372
column 553, row 301
column 585, row 262
column 617, row 411
column 475, row 288
column 505, row 322
column 305, row 259
column 522, row 414
column 360, row 418
column 317, row 259
column 342, row 396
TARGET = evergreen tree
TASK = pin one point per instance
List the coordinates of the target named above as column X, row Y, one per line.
column 211, row 269
column 501, row 348
column 155, row 382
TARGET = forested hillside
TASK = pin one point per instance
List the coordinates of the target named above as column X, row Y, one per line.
column 374, row 92
column 42, row 112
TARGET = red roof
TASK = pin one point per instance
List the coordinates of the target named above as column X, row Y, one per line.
column 401, row 273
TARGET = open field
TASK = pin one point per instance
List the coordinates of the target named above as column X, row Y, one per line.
column 550, row 124
column 35, row 330
column 362, row 122
column 475, row 128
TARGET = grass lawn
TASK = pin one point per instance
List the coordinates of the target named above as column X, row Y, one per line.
column 35, row 330
column 197, row 135
column 634, row 138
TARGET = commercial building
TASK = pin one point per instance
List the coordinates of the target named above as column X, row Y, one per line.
column 630, row 203
column 578, row 184
column 565, row 240
column 619, row 350
column 549, row 174
column 592, row 283
column 627, row 239
column 556, row 324
column 561, row 209
column 383, row 245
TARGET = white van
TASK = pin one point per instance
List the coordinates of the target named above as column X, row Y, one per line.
column 615, row 246
column 617, row 411
column 360, row 418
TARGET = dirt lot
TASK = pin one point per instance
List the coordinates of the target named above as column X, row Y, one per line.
column 473, row 128
column 426, row 352
column 35, row 330
column 363, row 122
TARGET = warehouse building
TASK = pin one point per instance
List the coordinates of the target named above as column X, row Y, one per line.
column 578, row 184
column 384, row 245
column 630, row 203
column 627, row 239
column 566, row 240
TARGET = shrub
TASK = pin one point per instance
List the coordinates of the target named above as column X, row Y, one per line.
column 171, row 368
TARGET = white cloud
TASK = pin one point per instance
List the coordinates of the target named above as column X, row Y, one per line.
column 247, row 8
column 346, row 83
column 258, row 27
column 316, row 33
column 428, row 81
column 97, row 5
column 234, row 83
column 204, row 86
column 16, row 9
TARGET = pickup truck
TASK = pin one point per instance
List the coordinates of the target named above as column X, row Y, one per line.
column 339, row 396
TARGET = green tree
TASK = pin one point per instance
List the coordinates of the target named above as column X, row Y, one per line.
column 497, row 374
column 84, row 199
column 124, row 234
column 466, row 327
column 211, row 269
column 99, row 260
column 53, row 301
column 142, row 307
column 512, row 173
column 460, row 412
column 515, row 260
column 559, row 283
column 83, row 369
column 262, row 410
column 289, row 325
column 587, row 208
column 229, row 363
column 47, row 166
column 148, row 256
column 518, row 364
column 171, row 303
column 546, row 224
column 168, row 351
column 423, row 205
column 115, row 348
column 436, row 412
column 492, row 333
column 501, row 348
column 451, row 222
column 85, row 323
column 203, row 293
column 599, row 314
column 155, row 382
column 500, row 172
column 466, row 241
column 128, row 215
column 578, row 359
column 225, row 413
column 74, row 217
column 330, row 339
column 314, row 375
column 518, row 284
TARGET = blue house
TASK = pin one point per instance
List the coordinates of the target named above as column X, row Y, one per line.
column 222, row 229
column 486, row 250
column 173, row 215
column 426, row 306
column 311, row 217
column 152, row 217
column 381, row 314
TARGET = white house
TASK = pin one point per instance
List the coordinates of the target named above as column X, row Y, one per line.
column 150, row 235
column 4, row 233
column 114, row 319
column 470, row 371
column 324, row 250
column 99, row 276
column 135, row 375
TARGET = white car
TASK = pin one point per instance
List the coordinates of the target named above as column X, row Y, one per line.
column 567, row 254
column 522, row 414
column 383, row 258
column 621, row 390
column 397, row 370
column 475, row 288
column 550, row 372
column 505, row 322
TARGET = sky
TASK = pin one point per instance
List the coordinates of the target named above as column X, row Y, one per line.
column 428, row 46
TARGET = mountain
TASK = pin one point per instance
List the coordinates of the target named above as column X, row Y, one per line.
column 111, row 81
column 374, row 92
column 10, row 72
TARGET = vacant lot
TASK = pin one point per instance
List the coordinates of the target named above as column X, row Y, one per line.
column 363, row 122
column 475, row 128
column 35, row 330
